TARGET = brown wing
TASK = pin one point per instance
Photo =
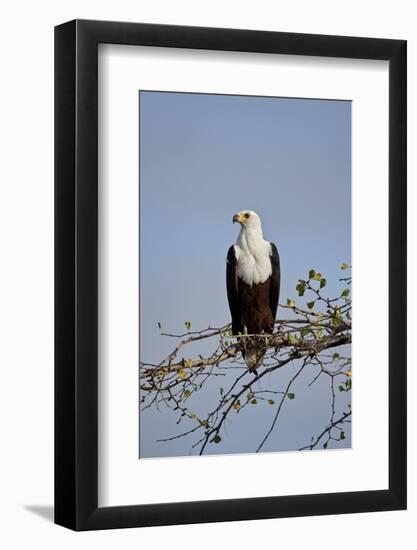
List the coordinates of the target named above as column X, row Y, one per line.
column 233, row 291
column 275, row 281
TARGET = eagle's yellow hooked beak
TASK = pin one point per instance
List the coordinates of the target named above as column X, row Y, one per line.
column 240, row 218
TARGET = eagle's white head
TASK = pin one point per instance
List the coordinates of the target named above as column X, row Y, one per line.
column 250, row 224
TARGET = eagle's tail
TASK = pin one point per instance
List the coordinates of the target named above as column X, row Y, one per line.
column 253, row 353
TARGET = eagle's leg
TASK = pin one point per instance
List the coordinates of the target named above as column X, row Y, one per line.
column 252, row 351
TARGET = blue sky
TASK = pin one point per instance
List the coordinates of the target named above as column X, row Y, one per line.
column 202, row 159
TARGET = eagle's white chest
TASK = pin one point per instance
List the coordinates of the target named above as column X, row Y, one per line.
column 253, row 261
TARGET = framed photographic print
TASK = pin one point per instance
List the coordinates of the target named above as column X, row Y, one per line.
column 230, row 274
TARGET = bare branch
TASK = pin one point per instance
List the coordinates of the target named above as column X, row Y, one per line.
column 327, row 430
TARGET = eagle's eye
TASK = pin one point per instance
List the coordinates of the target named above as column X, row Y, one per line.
column 247, row 215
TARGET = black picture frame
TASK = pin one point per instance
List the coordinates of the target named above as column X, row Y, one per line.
column 76, row 272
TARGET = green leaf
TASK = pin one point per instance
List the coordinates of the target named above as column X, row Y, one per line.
column 186, row 394
column 344, row 266
column 301, row 288
column 323, row 283
column 291, row 395
column 271, row 401
column 187, row 325
column 188, row 363
column 254, row 402
column 292, row 340
column 335, row 356
column 345, row 293
column 290, row 303
column 182, row 374
column 335, row 321
column 317, row 277
column 341, row 388
column 304, row 331
column 342, row 436
column 310, row 305
column 216, row 439
column 311, row 273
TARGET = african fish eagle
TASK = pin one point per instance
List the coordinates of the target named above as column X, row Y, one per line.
column 253, row 279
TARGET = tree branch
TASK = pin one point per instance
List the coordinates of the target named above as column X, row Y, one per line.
column 307, row 334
